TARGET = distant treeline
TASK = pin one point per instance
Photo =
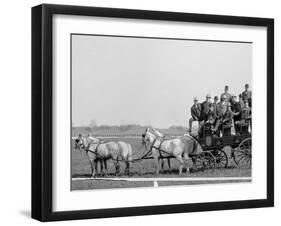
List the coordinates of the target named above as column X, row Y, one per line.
column 123, row 130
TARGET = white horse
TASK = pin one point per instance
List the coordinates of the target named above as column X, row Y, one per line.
column 105, row 150
column 98, row 160
column 176, row 147
column 82, row 143
column 159, row 134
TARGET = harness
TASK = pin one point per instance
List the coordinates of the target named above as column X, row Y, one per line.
column 182, row 139
column 159, row 148
column 96, row 149
column 196, row 143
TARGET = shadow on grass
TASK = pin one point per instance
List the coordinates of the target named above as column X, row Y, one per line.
column 163, row 173
column 174, row 172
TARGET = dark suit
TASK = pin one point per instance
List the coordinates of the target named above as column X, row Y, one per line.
column 195, row 111
column 205, row 108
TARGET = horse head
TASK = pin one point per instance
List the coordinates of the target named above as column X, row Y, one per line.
column 147, row 136
column 80, row 142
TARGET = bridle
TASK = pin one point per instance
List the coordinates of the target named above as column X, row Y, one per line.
column 161, row 139
column 144, row 142
column 78, row 146
column 86, row 148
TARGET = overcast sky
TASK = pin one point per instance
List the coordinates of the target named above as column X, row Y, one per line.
column 120, row 80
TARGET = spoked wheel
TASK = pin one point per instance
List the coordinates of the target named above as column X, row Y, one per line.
column 205, row 161
column 221, row 158
column 243, row 154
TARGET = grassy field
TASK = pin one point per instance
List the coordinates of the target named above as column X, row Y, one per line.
column 146, row 168
column 107, row 184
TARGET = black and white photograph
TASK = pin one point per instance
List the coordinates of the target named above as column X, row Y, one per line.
column 138, row 113
column 142, row 112
column 153, row 112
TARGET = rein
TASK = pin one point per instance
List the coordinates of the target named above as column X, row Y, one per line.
column 159, row 148
column 96, row 149
column 165, row 138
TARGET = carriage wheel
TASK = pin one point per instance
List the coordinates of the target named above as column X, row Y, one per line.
column 243, row 154
column 221, row 158
column 205, row 161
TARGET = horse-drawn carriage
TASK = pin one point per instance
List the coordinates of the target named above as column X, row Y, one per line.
column 188, row 148
column 240, row 144
column 157, row 146
column 213, row 144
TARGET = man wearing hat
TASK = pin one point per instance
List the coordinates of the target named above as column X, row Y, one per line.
column 226, row 94
column 222, row 106
column 246, row 114
column 236, row 109
column 241, row 102
column 227, row 117
column 195, row 112
column 211, row 116
column 215, row 104
column 221, row 110
column 205, row 107
column 247, row 95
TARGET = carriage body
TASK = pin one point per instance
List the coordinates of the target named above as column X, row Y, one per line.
column 239, row 143
column 211, row 142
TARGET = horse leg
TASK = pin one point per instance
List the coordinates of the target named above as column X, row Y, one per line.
column 162, row 163
column 169, row 163
column 117, row 167
column 101, row 167
column 93, row 167
column 179, row 158
column 193, row 160
column 186, row 161
column 156, row 160
column 127, row 169
column 105, row 166
column 92, row 170
column 97, row 162
column 155, row 154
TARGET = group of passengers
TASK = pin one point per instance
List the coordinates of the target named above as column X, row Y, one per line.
column 224, row 112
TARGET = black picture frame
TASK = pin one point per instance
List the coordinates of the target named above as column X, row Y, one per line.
column 42, row 107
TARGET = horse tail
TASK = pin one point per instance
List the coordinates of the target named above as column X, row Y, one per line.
column 130, row 152
column 125, row 150
column 186, row 148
